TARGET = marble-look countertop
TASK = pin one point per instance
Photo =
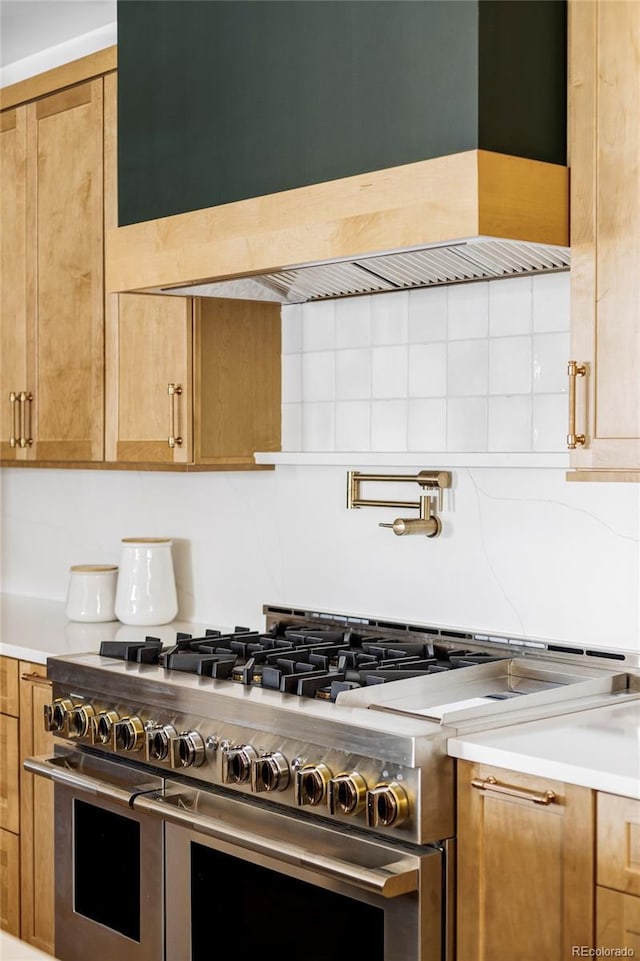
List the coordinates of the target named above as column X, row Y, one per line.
column 33, row 629
column 598, row 748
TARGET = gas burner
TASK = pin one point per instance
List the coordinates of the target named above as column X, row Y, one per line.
column 305, row 660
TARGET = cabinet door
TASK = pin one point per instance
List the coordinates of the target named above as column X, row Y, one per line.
column 618, row 862
column 237, row 380
column 13, row 288
column 37, row 826
column 66, row 282
column 10, row 883
column 525, row 869
column 617, row 921
column 9, row 774
column 152, row 349
column 9, row 691
column 604, row 40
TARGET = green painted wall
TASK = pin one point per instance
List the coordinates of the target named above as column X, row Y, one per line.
column 220, row 100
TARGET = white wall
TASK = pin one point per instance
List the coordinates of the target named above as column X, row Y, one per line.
column 522, row 550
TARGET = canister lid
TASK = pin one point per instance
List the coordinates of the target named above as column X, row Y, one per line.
column 93, row 568
column 146, row 540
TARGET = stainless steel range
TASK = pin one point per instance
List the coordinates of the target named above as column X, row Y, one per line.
column 300, row 770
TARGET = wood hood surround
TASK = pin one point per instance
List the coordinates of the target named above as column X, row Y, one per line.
column 255, row 138
column 475, row 193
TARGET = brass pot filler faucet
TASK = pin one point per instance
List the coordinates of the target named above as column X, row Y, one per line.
column 427, row 523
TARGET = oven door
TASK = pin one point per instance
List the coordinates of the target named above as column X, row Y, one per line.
column 290, row 885
column 109, row 860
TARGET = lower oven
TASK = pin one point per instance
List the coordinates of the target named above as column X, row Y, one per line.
column 152, row 870
column 109, row 859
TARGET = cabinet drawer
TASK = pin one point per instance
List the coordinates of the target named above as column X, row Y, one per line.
column 9, row 697
column 618, row 857
column 10, row 883
column 617, row 921
column 9, row 774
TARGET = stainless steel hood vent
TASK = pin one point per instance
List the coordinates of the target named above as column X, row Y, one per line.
column 462, row 261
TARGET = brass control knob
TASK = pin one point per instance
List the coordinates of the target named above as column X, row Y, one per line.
column 102, row 726
column 158, row 741
column 55, row 715
column 387, row 805
column 347, row 793
column 236, row 763
column 270, row 772
column 128, row 734
column 187, row 750
column 79, row 720
column 311, row 784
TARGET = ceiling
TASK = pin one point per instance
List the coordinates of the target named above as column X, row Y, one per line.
column 30, row 26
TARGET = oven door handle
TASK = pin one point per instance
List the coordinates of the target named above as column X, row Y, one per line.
column 389, row 881
column 55, row 768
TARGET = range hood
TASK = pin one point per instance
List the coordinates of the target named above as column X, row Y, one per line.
column 471, row 216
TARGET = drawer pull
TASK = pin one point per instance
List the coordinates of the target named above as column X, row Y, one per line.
column 490, row 784
column 35, row 678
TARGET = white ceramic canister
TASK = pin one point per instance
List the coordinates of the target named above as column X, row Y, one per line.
column 146, row 591
column 92, row 592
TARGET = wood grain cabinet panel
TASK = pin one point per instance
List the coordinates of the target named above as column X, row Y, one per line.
column 604, row 122
column 37, row 887
column 9, row 690
column 618, row 858
column 13, row 271
column 618, row 921
column 9, row 774
column 525, row 869
column 10, row 883
column 51, row 246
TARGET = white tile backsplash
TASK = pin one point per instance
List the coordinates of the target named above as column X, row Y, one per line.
column 510, row 306
column 510, row 423
column 353, row 322
column 427, row 315
column 468, row 311
column 291, row 378
column 427, row 370
column 318, row 427
column 389, row 372
column 550, row 355
column 467, row 423
column 353, row 374
column 319, row 325
column 427, row 424
column 510, row 365
column 551, row 302
column 467, row 367
column 390, row 318
column 501, row 346
column 319, row 376
column 353, row 425
column 292, row 427
column 389, row 425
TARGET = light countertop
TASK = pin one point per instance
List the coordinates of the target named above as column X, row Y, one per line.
column 598, row 749
column 32, row 629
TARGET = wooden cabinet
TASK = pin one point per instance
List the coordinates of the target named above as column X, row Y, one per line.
column 9, row 797
column 52, row 249
column 37, row 887
column 192, row 382
column 618, row 873
column 26, row 807
column 525, row 870
column 89, row 377
column 604, row 128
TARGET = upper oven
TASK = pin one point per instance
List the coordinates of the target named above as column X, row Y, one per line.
column 292, row 886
